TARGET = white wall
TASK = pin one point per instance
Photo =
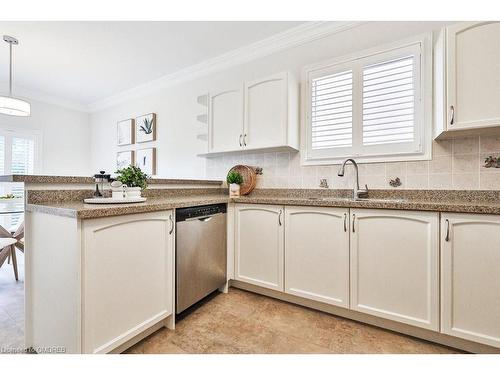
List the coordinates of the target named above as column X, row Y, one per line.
column 176, row 106
column 64, row 135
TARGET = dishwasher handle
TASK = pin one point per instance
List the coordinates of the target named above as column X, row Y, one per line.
column 204, row 218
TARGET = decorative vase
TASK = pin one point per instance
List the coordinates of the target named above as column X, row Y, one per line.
column 234, row 190
column 133, row 192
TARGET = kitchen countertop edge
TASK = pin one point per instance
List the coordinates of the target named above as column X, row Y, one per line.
column 81, row 210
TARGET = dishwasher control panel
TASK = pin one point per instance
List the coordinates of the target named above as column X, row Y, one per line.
column 183, row 214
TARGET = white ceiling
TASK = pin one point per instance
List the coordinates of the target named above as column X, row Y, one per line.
column 85, row 62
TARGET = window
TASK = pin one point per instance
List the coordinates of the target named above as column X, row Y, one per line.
column 18, row 155
column 370, row 106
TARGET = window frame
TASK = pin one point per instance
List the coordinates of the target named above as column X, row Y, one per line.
column 421, row 47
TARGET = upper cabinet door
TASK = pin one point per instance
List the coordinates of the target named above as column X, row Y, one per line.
column 226, row 121
column 395, row 265
column 473, row 75
column 266, row 112
column 259, row 245
column 317, row 254
column 470, row 277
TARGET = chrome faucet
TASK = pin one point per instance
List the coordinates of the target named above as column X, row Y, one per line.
column 357, row 192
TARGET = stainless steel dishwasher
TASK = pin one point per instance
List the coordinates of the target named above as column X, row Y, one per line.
column 201, row 256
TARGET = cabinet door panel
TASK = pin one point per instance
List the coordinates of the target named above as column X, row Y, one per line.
column 259, row 245
column 127, row 278
column 266, row 108
column 394, row 265
column 226, row 120
column 473, row 52
column 317, row 254
column 470, row 277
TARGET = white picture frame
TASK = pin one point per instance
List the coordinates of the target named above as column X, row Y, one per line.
column 146, row 160
column 125, row 159
column 125, row 132
column 145, row 128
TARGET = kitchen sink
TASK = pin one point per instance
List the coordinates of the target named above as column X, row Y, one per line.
column 379, row 200
column 382, row 200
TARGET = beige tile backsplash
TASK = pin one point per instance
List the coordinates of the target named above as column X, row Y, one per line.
column 455, row 164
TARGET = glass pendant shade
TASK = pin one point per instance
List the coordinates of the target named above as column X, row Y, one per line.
column 14, row 107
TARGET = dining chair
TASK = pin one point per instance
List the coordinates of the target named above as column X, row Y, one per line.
column 18, row 237
column 7, row 249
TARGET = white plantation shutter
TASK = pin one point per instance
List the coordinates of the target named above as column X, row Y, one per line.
column 389, row 102
column 23, row 155
column 332, row 111
column 2, row 154
column 369, row 106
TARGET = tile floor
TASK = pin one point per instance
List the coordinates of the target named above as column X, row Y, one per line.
column 237, row 322
column 244, row 322
column 12, row 306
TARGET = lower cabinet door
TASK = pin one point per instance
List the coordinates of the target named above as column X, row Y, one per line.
column 317, row 254
column 259, row 245
column 127, row 277
column 470, row 277
column 395, row 265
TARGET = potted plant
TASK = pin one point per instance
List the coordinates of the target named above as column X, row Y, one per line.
column 134, row 179
column 234, row 180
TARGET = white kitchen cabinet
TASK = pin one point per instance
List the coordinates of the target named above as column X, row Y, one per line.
column 127, row 278
column 102, row 284
column 395, row 265
column 470, row 277
column 259, row 245
column 262, row 116
column 225, row 120
column 317, row 254
column 271, row 112
column 467, row 77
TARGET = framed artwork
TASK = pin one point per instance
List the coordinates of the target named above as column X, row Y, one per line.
column 125, row 132
column 146, row 160
column 124, row 159
column 145, row 129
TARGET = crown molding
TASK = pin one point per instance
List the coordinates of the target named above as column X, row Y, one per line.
column 305, row 33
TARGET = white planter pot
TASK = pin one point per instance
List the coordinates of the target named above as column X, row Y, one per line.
column 234, row 190
column 133, row 192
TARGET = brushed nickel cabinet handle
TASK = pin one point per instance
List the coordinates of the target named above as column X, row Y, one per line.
column 353, row 219
column 452, row 109
column 345, row 222
column 447, row 238
column 171, row 225
column 279, row 218
column 241, row 135
column 244, row 139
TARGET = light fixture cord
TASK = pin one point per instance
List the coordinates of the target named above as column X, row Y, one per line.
column 10, row 70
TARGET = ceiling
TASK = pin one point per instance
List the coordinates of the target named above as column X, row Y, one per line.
column 85, row 62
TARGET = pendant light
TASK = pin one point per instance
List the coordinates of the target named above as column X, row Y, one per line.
column 8, row 104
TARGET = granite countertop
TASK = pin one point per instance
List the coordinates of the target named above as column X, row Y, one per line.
column 41, row 179
column 483, row 202
column 81, row 210
column 478, row 207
